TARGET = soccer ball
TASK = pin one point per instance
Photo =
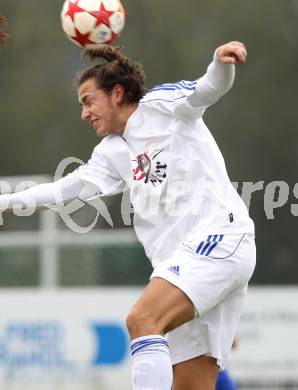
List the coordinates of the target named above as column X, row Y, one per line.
column 89, row 23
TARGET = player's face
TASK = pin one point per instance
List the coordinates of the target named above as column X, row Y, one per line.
column 100, row 109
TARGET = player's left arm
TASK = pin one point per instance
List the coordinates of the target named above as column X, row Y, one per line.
column 220, row 74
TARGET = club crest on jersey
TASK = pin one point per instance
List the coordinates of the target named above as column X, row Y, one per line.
column 150, row 169
column 144, row 167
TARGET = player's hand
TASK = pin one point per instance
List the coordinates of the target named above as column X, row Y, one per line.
column 232, row 53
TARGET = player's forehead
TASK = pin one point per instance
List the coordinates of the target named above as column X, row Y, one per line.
column 88, row 87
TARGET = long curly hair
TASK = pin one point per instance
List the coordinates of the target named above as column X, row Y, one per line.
column 114, row 68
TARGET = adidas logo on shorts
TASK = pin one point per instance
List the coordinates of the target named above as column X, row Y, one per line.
column 175, row 269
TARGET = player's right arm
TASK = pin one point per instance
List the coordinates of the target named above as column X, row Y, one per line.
column 61, row 191
column 96, row 178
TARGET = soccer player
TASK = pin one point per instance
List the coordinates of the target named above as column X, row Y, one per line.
column 3, row 34
column 192, row 223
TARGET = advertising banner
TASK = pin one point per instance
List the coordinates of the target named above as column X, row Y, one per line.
column 65, row 339
column 76, row 339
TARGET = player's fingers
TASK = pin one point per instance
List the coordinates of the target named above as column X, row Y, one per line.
column 228, row 60
column 240, row 54
column 244, row 55
column 240, row 50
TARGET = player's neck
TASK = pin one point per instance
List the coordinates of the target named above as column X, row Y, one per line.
column 126, row 112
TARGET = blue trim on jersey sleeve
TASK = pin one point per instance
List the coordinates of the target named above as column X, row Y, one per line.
column 163, row 100
column 188, row 85
column 180, row 85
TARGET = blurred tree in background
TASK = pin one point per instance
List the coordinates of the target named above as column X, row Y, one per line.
column 254, row 124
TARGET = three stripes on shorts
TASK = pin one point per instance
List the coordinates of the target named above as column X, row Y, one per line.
column 206, row 247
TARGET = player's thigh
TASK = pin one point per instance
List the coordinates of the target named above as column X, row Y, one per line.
column 161, row 308
column 199, row 373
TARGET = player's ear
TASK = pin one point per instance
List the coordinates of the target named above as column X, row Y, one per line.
column 118, row 92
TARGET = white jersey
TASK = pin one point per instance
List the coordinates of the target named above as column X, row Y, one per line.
column 167, row 157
